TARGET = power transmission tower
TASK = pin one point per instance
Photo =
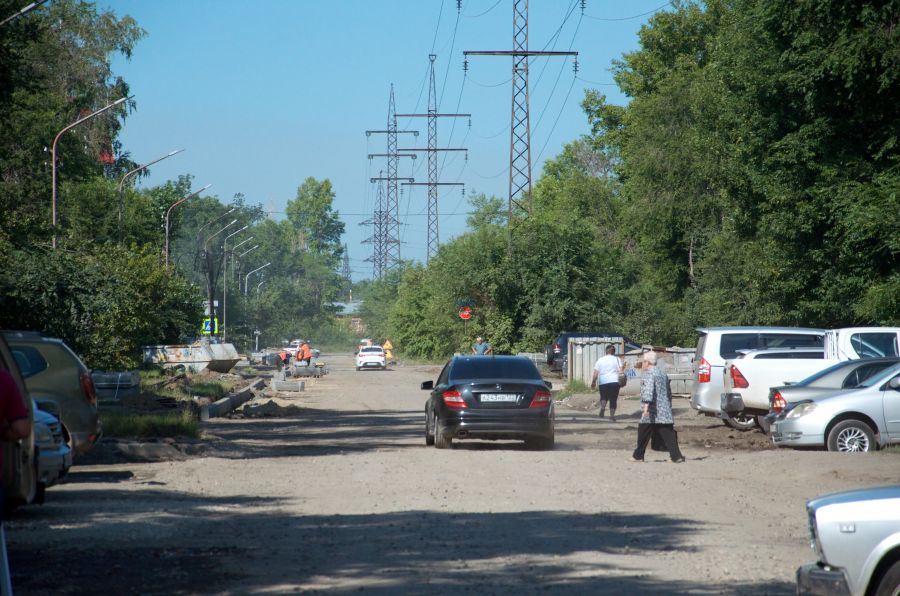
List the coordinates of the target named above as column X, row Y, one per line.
column 345, row 265
column 432, row 150
column 391, row 234
column 520, row 126
column 377, row 238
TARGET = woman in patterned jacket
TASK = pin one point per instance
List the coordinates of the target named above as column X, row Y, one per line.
column 656, row 412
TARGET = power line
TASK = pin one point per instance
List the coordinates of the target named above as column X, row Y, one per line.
column 637, row 16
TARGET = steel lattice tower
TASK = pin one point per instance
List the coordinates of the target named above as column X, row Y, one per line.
column 433, row 240
column 377, row 237
column 388, row 225
column 520, row 124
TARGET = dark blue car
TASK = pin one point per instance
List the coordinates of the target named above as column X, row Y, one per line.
column 489, row 398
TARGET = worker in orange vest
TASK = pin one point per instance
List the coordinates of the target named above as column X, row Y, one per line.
column 305, row 353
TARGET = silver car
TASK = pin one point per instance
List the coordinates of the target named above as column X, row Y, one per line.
column 856, row 536
column 848, row 421
column 844, row 376
column 54, row 456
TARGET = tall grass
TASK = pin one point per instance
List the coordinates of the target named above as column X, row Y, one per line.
column 171, row 424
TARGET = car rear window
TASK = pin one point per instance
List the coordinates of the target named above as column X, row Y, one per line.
column 799, row 355
column 791, row 340
column 482, row 367
column 372, row 350
column 732, row 342
column 30, row 361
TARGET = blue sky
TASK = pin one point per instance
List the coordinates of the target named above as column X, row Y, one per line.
column 262, row 94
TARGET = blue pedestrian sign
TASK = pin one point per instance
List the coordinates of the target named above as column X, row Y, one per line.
column 210, row 326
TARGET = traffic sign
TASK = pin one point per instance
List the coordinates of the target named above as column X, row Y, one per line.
column 465, row 313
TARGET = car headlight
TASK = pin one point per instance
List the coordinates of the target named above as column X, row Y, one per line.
column 42, row 435
column 802, row 410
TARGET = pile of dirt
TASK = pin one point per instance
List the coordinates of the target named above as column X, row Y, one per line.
column 270, row 409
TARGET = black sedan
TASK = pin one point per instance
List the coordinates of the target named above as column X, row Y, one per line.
column 490, row 398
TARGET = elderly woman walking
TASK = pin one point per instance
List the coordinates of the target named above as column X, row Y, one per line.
column 656, row 414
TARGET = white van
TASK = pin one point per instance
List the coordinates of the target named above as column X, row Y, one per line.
column 718, row 344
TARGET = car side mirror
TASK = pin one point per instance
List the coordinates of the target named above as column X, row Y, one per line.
column 428, row 385
column 894, row 383
column 548, row 384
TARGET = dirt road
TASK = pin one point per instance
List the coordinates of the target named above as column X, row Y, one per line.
column 344, row 496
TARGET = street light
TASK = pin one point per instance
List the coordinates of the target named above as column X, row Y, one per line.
column 53, row 154
column 23, row 11
column 209, row 264
column 213, row 220
column 254, row 247
column 122, row 183
column 169, row 211
column 247, row 278
column 234, row 248
column 225, row 280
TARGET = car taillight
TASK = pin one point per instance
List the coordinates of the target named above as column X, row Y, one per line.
column 452, row 399
column 556, row 349
column 541, row 399
column 739, row 380
column 704, row 371
column 87, row 388
column 778, row 403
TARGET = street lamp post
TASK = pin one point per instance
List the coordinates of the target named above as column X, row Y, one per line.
column 225, row 280
column 121, row 189
column 209, row 264
column 169, row 211
column 240, row 256
column 22, row 11
column 234, row 248
column 247, row 278
column 53, row 155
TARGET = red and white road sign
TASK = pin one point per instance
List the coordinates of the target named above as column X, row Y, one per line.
column 465, row 313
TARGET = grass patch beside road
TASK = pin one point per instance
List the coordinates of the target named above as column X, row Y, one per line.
column 170, row 424
column 571, row 388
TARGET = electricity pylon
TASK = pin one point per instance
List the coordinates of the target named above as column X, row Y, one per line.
column 520, row 126
column 391, row 235
column 434, row 239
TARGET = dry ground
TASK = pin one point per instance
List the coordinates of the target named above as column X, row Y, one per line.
column 338, row 493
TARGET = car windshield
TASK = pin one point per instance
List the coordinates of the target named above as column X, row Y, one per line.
column 481, row 367
column 881, row 377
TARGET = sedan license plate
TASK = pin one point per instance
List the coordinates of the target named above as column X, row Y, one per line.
column 499, row 397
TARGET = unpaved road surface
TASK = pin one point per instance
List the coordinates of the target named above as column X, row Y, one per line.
column 343, row 496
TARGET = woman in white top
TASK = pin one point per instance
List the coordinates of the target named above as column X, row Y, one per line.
column 606, row 371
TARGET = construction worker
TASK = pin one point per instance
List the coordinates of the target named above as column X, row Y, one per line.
column 304, row 354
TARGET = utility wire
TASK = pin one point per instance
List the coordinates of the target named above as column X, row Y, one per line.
column 637, row 16
column 485, row 12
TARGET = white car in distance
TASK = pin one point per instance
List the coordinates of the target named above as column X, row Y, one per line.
column 371, row 357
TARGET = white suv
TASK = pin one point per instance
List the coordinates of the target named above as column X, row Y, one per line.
column 718, row 344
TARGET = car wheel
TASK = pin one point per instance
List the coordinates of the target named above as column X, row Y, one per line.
column 358, row 368
column 429, row 429
column 441, row 440
column 384, row 367
column 890, row 581
column 742, row 422
column 850, row 436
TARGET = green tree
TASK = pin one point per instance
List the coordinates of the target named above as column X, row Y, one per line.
column 318, row 227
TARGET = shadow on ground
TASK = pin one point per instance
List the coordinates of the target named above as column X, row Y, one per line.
column 170, row 543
